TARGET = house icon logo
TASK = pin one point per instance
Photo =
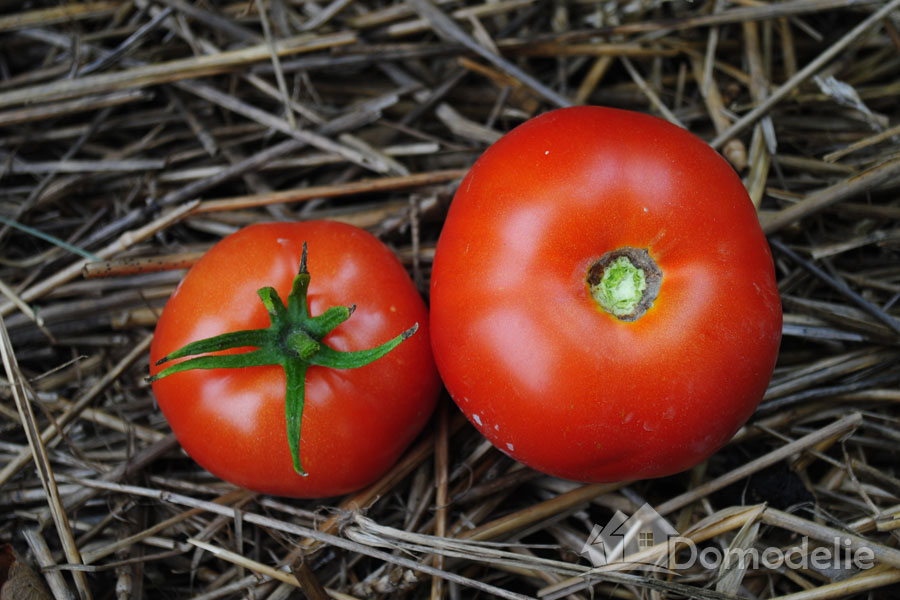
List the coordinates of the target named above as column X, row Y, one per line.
column 623, row 537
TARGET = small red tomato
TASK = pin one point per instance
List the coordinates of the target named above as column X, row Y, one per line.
column 355, row 421
column 603, row 300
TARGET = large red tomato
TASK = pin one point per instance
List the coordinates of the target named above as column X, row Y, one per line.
column 603, row 300
column 355, row 422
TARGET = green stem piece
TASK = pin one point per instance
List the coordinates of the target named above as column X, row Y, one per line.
column 621, row 288
column 293, row 341
column 625, row 282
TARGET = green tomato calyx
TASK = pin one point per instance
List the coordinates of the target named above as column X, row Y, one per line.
column 625, row 282
column 293, row 341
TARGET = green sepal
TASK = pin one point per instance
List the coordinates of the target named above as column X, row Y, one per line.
column 319, row 327
column 275, row 307
column 226, row 341
column 257, row 358
column 333, row 359
column 292, row 341
column 294, row 398
column 297, row 305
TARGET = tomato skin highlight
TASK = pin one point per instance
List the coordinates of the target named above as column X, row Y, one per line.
column 524, row 350
column 356, row 422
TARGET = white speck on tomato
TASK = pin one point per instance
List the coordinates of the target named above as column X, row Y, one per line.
column 477, row 419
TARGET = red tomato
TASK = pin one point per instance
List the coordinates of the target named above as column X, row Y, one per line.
column 534, row 361
column 356, row 422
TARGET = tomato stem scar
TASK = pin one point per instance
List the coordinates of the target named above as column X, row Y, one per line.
column 625, row 282
column 621, row 287
column 293, row 341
